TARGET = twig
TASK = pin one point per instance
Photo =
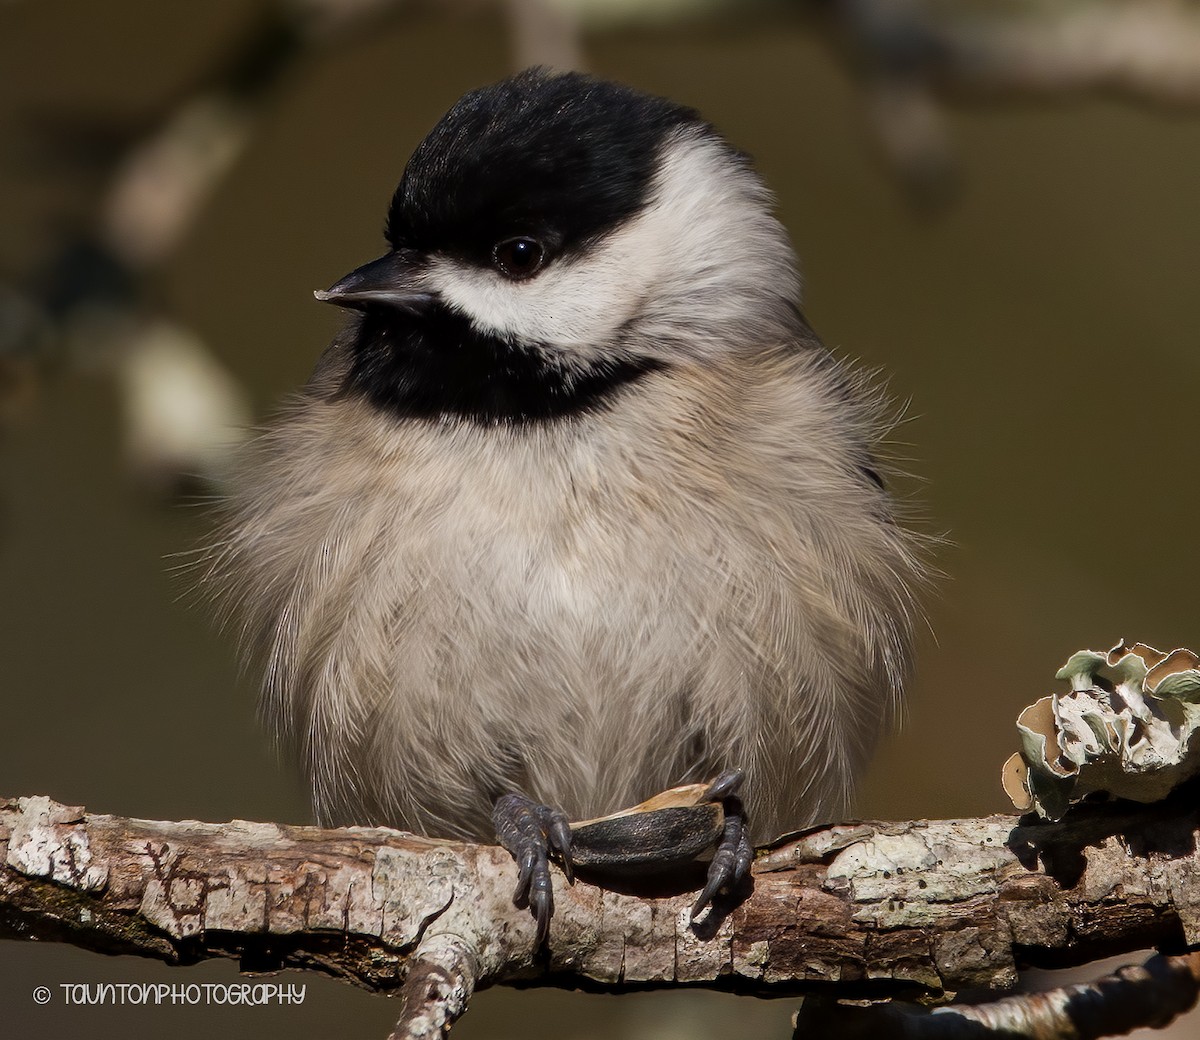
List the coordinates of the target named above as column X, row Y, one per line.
column 1145, row 995
column 441, row 978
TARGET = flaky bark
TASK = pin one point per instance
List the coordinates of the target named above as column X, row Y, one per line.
column 915, row 908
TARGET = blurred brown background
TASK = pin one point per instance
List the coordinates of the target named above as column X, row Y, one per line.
column 1041, row 323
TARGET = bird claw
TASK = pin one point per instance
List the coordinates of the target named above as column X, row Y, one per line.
column 534, row 833
column 725, row 785
column 731, row 862
column 531, row 832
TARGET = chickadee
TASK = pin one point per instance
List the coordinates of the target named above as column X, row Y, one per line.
column 576, row 507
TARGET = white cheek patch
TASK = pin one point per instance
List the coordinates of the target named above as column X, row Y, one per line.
column 573, row 304
column 705, row 237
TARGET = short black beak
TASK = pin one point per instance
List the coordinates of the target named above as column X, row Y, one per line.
column 394, row 280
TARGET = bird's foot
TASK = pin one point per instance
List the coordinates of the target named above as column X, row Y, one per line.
column 532, row 832
column 734, row 854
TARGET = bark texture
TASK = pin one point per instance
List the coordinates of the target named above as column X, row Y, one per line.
column 919, row 908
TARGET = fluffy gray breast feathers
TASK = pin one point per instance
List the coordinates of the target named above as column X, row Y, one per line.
column 576, row 504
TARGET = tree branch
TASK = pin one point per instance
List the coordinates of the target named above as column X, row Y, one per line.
column 920, row 908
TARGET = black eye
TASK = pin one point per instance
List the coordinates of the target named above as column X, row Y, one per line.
column 518, row 257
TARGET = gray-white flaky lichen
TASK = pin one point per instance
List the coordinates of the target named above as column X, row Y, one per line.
column 1130, row 726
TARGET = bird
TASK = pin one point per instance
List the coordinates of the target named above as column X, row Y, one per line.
column 576, row 506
